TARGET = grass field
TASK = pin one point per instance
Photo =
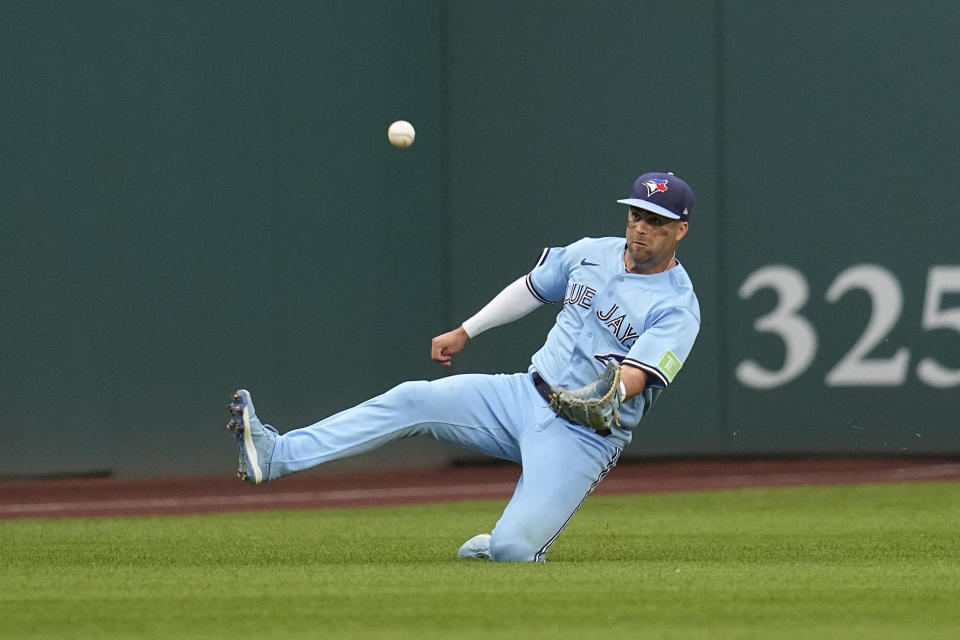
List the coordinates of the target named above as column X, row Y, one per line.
column 874, row 561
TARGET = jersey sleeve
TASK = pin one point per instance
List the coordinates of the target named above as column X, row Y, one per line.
column 548, row 279
column 662, row 348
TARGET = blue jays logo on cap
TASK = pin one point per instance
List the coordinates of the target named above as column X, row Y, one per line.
column 663, row 194
column 655, row 185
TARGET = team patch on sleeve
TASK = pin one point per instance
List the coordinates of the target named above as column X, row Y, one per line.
column 669, row 364
column 665, row 370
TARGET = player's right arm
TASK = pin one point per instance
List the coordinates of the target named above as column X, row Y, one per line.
column 446, row 344
column 545, row 283
column 514, row 302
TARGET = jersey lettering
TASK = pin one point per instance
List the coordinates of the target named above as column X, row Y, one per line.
column 629, row 336
column 580, row 295
column 607, row 314
column 616, row 325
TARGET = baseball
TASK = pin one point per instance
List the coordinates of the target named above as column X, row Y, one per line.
column 401, row 134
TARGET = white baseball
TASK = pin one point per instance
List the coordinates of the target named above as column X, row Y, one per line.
column 401, row 134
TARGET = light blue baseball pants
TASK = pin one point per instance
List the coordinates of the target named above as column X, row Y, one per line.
column 501, row 415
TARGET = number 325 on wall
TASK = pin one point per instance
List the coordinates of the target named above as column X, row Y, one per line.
column 856, row 368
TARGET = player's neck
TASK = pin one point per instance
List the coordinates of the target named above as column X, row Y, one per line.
column 643, row 269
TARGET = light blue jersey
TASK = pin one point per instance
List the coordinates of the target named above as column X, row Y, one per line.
column 645, row 321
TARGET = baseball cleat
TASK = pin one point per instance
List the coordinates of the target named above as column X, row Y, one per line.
column 476, row 547
column 255, row 440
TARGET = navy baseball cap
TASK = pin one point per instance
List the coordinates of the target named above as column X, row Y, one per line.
column 663, row 194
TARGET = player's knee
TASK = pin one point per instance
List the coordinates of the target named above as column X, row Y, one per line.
column 503, row 549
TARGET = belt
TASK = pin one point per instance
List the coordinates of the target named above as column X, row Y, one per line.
column 543, row 388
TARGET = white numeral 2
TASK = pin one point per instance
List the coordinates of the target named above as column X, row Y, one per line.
column 855, row 369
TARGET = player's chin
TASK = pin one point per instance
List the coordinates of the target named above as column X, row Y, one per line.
column 639, row 252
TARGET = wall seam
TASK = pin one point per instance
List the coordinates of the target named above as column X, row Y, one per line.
column 725, row 386
column 446, row 215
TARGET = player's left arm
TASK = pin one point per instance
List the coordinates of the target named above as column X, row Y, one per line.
column 660, row 351
column 634, row 380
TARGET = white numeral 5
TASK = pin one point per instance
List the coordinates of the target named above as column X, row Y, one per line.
column 941, row 280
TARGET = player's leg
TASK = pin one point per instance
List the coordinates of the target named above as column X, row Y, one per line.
column 562, row 464
column 474, row 411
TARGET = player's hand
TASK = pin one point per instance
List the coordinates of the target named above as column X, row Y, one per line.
column 445, row 345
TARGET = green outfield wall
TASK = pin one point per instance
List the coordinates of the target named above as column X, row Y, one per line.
column 200, row 196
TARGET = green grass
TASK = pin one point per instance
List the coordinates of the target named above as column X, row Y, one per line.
column 877, row 561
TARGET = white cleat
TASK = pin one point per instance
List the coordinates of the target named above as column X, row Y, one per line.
column 255, row 440
column 476, row 547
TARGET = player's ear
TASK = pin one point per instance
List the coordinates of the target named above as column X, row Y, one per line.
column 682, row 229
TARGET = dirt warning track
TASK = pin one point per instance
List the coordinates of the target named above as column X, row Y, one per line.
column 85, row 497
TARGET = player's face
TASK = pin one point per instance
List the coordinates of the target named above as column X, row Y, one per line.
column 651, row 240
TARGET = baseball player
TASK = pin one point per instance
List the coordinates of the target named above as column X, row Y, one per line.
column 628, row 319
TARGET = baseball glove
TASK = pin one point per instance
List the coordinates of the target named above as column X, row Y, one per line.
column 596, row 405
